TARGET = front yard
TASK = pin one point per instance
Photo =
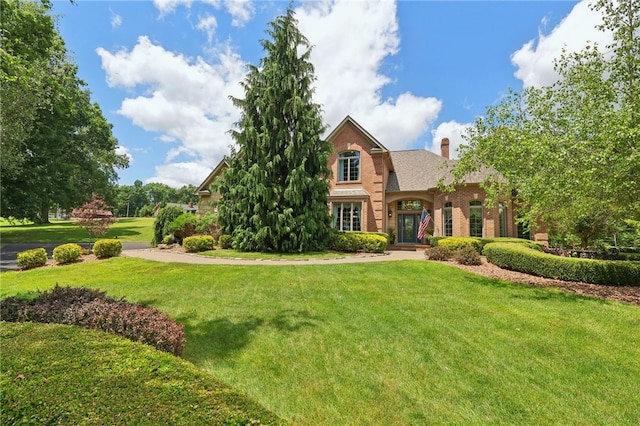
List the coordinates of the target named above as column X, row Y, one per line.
column 408, row 342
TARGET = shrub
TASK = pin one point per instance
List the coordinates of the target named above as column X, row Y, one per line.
column 456, row 243
column 526, row 243
column 434, row 241
column 467, row 255
column 67, row 253
column 31, row 258
column 208, row 225
column 197, row 243
column 225, row 241
column 161, row 224
column 517, row 257
column 94, row 309
column 183, row 226
column 48, row 306
column 107, row 248
column 368, row 242
column 135, row 322
column 438, row 253
column 373, row 243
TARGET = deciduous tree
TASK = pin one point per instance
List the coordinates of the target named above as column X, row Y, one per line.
column 57, row 147
column 571, row 149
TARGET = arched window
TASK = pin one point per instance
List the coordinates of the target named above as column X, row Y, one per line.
column 475, row 219
column 447, row 220
column 349, row 166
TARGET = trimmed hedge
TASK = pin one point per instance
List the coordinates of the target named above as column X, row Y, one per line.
column 198, row 243
column 351, row 242
column 93, row 309
column 107, row 248
column 32, row 258
column 519, row 257
column 67, row 253
column 456, row 243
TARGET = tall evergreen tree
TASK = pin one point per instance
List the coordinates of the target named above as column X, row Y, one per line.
column 274, row 193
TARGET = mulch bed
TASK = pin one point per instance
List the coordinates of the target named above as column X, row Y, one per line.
column 627, row 294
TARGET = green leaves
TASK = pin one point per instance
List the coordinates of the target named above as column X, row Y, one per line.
column 571, row 147
column 274, row 193
column 57, row 147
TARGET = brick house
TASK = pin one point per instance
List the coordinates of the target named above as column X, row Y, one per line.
column 373, row 189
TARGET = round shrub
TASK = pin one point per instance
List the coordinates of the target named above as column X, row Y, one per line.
column 31, row 258
column 198, row 243
column 438, row 253
column 107, row 248
column 456, row 243
column 225, row 241
column 467, row 255
column 67, row 253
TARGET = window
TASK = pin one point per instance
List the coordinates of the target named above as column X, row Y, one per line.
column 349, row 166
column 475, row 219
column 347, row 216
column 447, row 220
column 410, row 205
column 523, row 231
column 503, row 220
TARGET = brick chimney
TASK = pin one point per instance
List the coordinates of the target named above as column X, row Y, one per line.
column 444, row 147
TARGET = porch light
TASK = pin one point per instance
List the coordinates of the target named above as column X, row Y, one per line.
column 390, row 213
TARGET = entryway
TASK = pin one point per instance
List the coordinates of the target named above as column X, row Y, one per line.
column 408, row 227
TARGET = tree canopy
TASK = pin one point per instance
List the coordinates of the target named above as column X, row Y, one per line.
column 57, row 147
column 274, row 193
column 571, row 149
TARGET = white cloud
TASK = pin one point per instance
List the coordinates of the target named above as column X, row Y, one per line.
column 241, row 11
column 208, row 24
column 185, row 100
column 177, row 175
column 121, row 150
column 168, row 6
column 452, row 130
column 348, row 64
column 534, row 59
column 116, row 20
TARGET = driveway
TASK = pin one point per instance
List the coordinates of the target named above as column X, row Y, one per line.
column 9, row 252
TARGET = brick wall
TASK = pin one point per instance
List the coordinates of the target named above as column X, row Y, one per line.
column 372, row 175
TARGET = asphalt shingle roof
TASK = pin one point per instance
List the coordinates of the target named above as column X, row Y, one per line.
column 420, row 170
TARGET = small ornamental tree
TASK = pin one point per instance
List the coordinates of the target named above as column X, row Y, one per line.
column 95, row 216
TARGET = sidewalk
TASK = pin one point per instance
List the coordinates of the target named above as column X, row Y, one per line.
column 169, row 256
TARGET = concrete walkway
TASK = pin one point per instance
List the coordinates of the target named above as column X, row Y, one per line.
column 172, row 256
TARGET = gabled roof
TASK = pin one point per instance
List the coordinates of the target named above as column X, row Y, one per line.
column 420, row 170
column 203, row 188
column 348, row 120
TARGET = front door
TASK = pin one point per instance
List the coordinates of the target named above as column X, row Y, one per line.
column 408, row 227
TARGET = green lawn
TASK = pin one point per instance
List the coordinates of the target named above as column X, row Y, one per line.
column 409, row 342
column 234, row 254
column 55, row 374
column 139, row 229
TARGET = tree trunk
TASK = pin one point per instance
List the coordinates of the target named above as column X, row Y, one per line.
column 44, row 213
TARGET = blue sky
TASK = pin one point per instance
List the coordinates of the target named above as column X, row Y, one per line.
column 410, row 72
